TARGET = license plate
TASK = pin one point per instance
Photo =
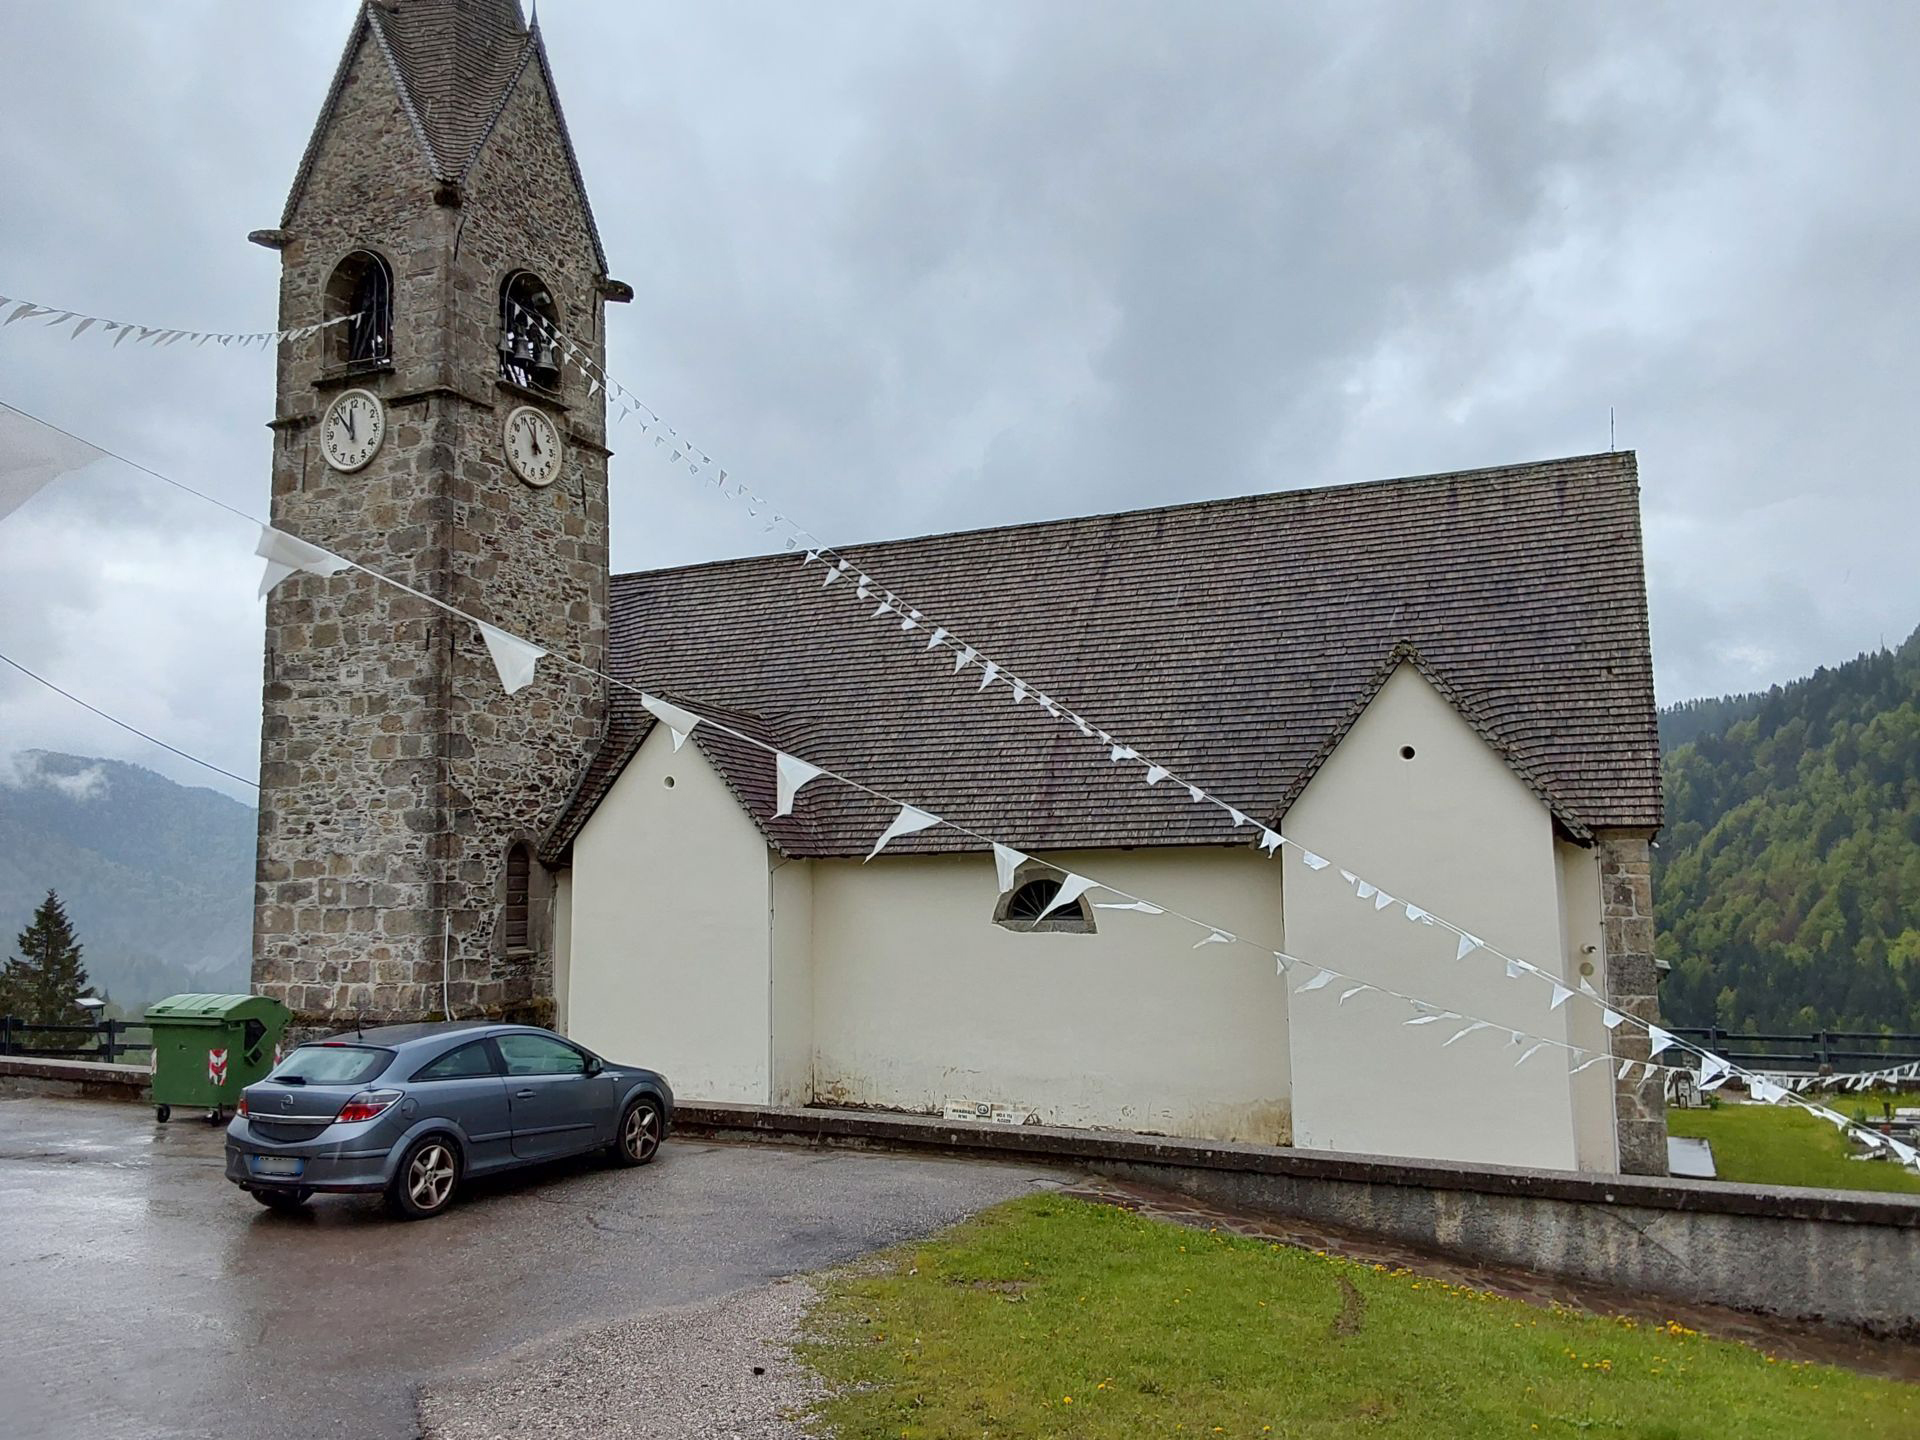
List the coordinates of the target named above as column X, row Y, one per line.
column 278, row 1165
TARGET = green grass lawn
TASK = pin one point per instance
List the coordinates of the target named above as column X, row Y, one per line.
column 1784, row 1145
column 1055, row 1317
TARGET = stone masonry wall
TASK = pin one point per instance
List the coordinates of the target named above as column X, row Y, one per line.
column 1626, row 917
column 395, row 774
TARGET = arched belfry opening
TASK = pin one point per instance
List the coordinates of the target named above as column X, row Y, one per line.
column 529, row 331
column 360, row 294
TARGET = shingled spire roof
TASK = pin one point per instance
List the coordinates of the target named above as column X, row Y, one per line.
column 454, row 64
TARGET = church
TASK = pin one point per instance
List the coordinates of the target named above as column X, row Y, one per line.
column 1442, row 683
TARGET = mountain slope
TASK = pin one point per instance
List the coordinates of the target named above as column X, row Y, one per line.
column 156, row 877
column 1787, row 884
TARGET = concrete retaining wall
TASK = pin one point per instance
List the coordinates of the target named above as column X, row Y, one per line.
column 27, row 1075
column 1843, row 1257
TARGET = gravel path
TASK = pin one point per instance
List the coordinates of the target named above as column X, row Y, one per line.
column 717, row 1369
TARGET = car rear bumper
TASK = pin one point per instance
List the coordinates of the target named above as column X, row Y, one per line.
column 350, row 1162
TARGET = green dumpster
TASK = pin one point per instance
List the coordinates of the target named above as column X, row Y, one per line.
column 208, row 1048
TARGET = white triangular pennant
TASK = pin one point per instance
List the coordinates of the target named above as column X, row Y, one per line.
column 1196, row 794
column 1528, row 1054
column 963, row 659
column 1417, row 915
column 1561, row 994
column 1235, row 816
column 1155, row 774
column 1324, row 978
column 939, row 634
column 680, row 722
column 1346, row 995
column 286, row 553
column 1269, row 840
column 513, row 657
column 1071, row 889
column 1006, row 864
column 989, row 674
column 1468, row 944
column 790, row 773
column 1313, row 861
column 1468, row 1030
column 1613, row 1019
column 1145, row 907
column 1366, row 890
column 1381, row 900
column 907, row 822
column 1019, row 692
column 1216, row 937
column 1658, row 1039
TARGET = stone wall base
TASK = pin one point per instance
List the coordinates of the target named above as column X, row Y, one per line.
column 1816, row 1255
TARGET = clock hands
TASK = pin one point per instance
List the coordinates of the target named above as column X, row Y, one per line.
column 346, row 414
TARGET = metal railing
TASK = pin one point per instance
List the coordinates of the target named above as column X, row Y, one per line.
column 1840, row 1050
column 103, row 1040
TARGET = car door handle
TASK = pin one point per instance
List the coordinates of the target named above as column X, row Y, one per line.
column 523, row 1094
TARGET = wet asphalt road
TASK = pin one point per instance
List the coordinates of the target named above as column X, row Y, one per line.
column 142, row 1296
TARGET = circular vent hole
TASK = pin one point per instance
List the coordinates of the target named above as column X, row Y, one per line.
column 668, row 781
column 1406, row 752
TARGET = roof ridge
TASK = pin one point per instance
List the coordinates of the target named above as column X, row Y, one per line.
column 1305, row 492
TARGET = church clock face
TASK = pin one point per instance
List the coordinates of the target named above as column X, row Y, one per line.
column 533, row 446
column 352, row 429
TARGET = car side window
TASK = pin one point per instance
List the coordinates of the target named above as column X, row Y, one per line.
column 466, row 1062
column 539, row 1055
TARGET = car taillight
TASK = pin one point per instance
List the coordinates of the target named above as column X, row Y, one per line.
column 365, row 1106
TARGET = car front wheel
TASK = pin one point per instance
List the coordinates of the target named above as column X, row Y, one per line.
column 428, row 1176
column 638, row 1139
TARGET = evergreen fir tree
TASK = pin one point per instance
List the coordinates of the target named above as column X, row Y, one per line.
column 41, row 982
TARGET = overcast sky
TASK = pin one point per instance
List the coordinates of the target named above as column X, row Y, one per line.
column 912, row 267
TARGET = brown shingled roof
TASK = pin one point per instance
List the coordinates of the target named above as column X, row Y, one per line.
column 454, row 64
column 1234, row 641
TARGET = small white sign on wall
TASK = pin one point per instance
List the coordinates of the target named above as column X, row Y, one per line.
column 990, row 1114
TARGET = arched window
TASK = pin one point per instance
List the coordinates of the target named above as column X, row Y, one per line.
column 362, row 287
column 1023, row 908
column 529, row 327
column 515, row 931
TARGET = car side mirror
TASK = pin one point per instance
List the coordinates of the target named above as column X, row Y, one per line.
column 595, row 1065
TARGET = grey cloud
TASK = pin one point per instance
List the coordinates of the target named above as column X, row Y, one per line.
column 905, row 267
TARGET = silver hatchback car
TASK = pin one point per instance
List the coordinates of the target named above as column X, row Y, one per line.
column 411, row 1111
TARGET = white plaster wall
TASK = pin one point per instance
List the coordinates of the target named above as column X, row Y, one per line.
column 790, row 977
column 1454, row 830
column 918, row 997
column 1595, row 1140
column 670, row 929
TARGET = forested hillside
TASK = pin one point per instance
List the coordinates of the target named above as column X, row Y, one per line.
column 157, row 878
column 1787, row 882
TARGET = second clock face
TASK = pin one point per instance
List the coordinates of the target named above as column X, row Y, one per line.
column 533, row 446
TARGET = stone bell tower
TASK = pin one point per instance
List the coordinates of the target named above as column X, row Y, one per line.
column 402, row 792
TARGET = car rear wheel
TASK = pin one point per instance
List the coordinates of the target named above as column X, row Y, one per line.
column 428, row 1176
column 638, row 1139
column 282, row 1200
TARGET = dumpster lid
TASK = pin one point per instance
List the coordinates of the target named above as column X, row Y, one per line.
column 209, row 1008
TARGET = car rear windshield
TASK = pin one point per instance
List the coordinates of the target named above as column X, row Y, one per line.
column 331, row 1065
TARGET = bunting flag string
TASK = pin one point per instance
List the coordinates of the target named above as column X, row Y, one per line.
column 680, row 450
column 911, row 819
column 284, row 549
column 13, row 308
